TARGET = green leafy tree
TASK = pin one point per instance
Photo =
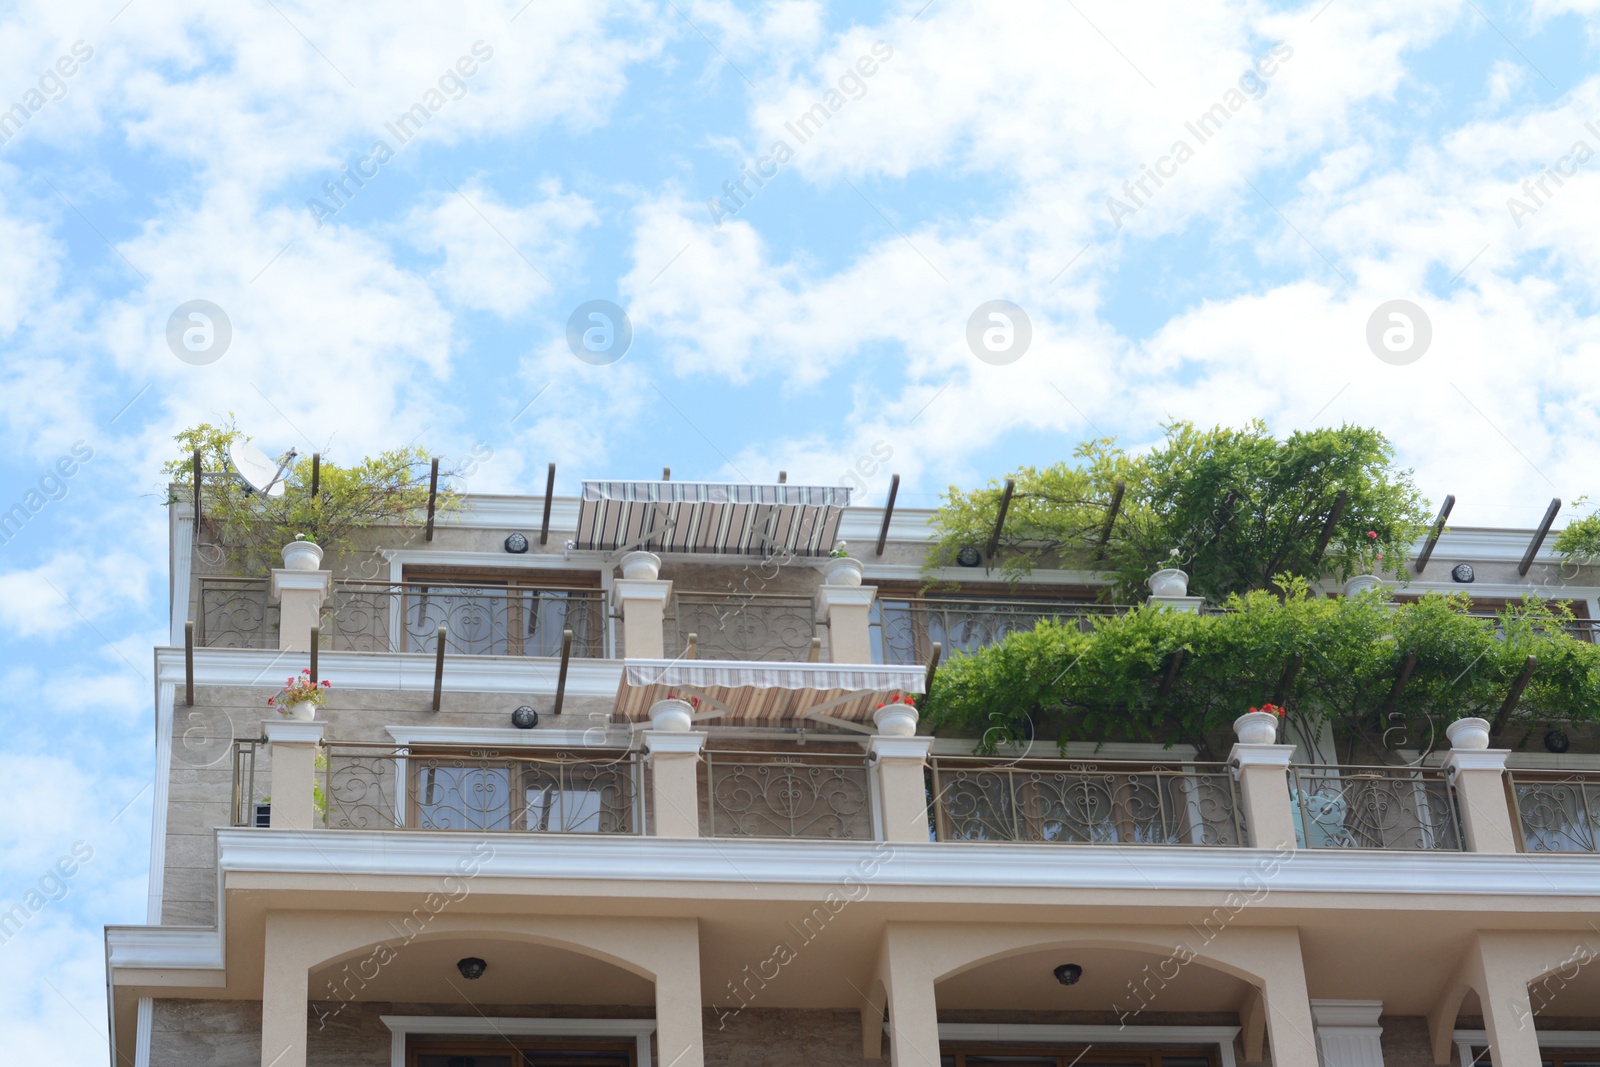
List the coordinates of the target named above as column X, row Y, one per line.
column 1156, row 674
column 388, row 489
column 1236, row 506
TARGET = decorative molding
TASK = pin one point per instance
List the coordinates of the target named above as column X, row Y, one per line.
column 944, row 865
column 1475, row 759
column 285, row 581
column 1346, row 1012
column 159, row 948
column 884, row 747
column 1008, row 1033
column 166, row 696
column 1348, row 1034
column 401, row 1026
column 510, row 737
column 1466, row 1040
column 669, row 743
column 844, row 596
column 396, row 671
column 912, row 573
column 292, row 731
column 1243, row 755
column 649, row 590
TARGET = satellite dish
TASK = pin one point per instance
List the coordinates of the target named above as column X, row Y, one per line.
column 259, row 471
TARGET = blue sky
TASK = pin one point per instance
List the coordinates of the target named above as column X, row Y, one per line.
column 828, row 314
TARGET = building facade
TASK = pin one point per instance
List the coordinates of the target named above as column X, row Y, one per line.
column 636, row 779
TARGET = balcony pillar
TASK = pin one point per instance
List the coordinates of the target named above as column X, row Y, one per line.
column 1348, row 1034
column 1288, row 1004
column 913, row 1013
column 674, row 755
column 1263, row 775
column 285, row 991
column 643, row 603
column 845, row 610
column 292, row 748
column 1478, row 777
column 898, row 763
column 300, row 594
column 679, row 1036
column 1498, row 966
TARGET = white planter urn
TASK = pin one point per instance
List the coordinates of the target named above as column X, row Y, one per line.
column 302, row 556
column 641, row 566
column 1468, row 733
column 1169, row 581
column 1361, row 583
column 672, row 716
column 896, row 720
column 305, row 711
column 842, row 570
column 1256, row 728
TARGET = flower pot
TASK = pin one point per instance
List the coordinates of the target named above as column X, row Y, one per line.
column 896, row 720
column 1468, row 733
column 642, row 566
column 1256, row 728
column 1361, row 583
column 841, row 570
column 302, row 556
column 1169, row 581
column 672, row 716
column 304, row 711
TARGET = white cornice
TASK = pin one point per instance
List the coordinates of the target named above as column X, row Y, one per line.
column 949, row 865
column 395, row 671
column 617, row 737
column 159, row 948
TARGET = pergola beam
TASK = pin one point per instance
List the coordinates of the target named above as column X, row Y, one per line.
column 433, row 498
column 1000, row 517
column 1529, row 665
column 438, row 671
column 1433, row 534
column 1111, row 517
column 561, row 675
column 549, row 491
column 888, row 512
column 1334, row 515
column 1538, row 537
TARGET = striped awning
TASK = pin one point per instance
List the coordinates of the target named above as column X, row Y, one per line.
column 710, row 517
column 765, row 694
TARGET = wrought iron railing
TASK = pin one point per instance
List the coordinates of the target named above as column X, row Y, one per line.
column 249, row 803
column 1397, row 808
column 236, row 613
column 773, row 794
column 1557, row 811
column 386, row 787
column 907, row 628
column 479, row 620
column 753, row 626
column 1085, row 802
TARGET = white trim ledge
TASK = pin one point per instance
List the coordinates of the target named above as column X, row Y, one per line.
column 401, row 1026
column 1221, row 1036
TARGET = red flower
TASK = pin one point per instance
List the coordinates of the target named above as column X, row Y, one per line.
column 1372, row 535
column 305, row 670
column 269, row 700
column 326, row 683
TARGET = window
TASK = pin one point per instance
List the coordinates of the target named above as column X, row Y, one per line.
column 1082, row 1056
column 503, row 613
column 553, row 792
column 518, row 1052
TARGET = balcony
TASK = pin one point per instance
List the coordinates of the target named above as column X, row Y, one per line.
column 1397, row 808
column 1088, row 803
column 820, row 796
column 478, row 619
column 906, row 628
column 755, row 626
column 1557, row 811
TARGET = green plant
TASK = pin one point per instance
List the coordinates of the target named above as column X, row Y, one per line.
column 1579, row 541
column 841, row 550
column 1238, row 506
column 300, row 689
column 388, row 489
column 1153, row 674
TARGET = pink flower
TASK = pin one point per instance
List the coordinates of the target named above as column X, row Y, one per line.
column 326, row 683
column 1372, row 535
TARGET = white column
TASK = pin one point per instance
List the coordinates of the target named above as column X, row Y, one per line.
column 897, row 767
column 285, row 991
column 1263, row 775
column 301, row 594
column 1348, row 1034
column 1478, row 777
column 846, row 610
column 292, row 747
column 643, row 603
column 674, row 755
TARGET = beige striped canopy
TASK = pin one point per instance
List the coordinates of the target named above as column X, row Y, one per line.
column 710, row 517
column 753, row 694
